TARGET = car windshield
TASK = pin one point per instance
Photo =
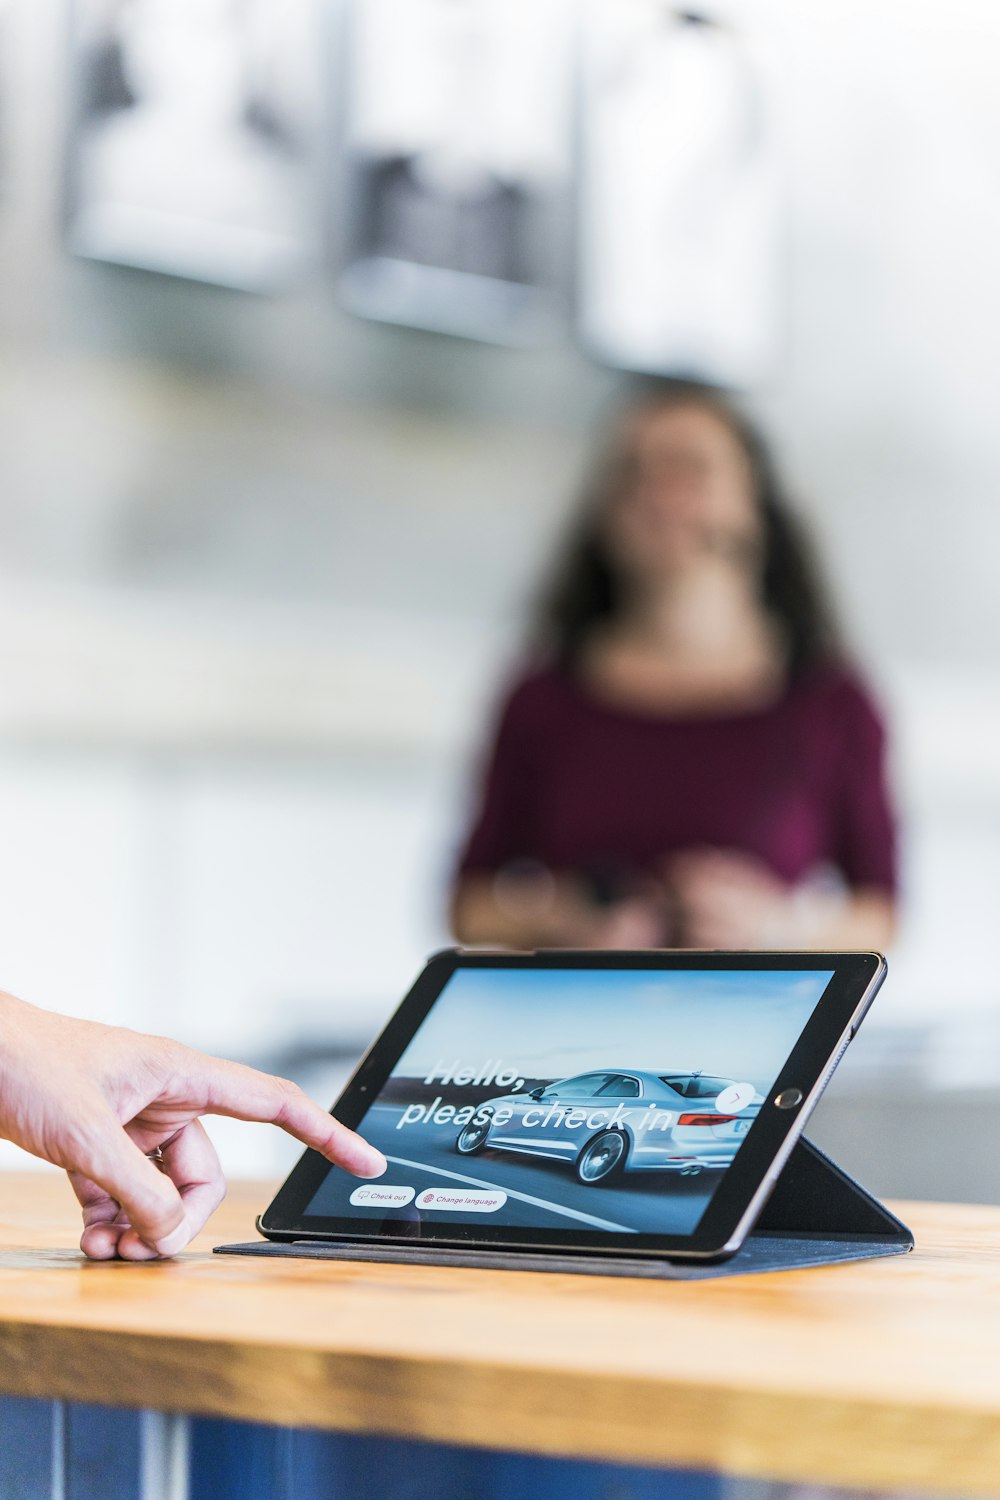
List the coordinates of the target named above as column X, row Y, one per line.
column 695, row 1085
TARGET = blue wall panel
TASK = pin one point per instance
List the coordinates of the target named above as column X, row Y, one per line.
column 103, row 1453
column 333, row 1466
column 102, row 1450
column 26, row 1434
column 523, row 1474
column 242, row 1460
column 238, row 1461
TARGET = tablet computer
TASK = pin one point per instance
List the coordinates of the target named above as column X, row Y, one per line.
column 638, row 1104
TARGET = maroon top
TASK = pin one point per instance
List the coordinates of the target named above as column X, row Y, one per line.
column 581, row 785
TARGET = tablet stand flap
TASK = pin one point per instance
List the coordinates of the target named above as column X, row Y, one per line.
column 813, row 1196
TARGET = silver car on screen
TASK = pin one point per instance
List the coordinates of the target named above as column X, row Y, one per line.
column 606, row 1123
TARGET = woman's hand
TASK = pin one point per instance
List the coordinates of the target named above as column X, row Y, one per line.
column 542, row 910
column 727, row 899
column 724, row 898
column 635, row 922
column 100, row 1101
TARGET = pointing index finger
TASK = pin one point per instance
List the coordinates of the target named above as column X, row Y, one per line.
column 246, row 1094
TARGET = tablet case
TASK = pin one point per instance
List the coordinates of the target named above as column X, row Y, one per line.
column 816, row 1215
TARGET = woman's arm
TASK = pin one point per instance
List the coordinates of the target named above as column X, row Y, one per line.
column 543, row 911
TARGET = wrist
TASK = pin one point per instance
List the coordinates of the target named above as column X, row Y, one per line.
column 15, row 1062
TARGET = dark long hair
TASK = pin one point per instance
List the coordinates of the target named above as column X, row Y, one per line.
column 583, row 590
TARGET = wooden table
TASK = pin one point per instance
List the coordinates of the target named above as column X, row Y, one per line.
column 882, row 1374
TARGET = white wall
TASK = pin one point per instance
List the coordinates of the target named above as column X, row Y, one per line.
column 116, row 465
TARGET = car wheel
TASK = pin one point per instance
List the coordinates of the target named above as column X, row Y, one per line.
column 472, row 1138
column 602, row 1159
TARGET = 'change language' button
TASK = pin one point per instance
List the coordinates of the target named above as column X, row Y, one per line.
column 462, row 1200
column 377, row 1195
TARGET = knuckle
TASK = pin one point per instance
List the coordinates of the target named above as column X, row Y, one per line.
column 170, row 1062
column 291, row 1093
column 290, row 1099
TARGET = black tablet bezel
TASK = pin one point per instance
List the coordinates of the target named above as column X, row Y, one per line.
column 741, row 1193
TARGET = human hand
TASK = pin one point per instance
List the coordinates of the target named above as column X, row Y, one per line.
column 633, row 923
column 725, row 898
column 99, row 1101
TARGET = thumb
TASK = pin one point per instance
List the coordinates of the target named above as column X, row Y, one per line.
column 151, row 1202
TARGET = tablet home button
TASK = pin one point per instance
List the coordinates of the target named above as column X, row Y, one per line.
column 789, row 1098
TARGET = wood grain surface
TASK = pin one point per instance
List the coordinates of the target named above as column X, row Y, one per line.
column 879, row 1374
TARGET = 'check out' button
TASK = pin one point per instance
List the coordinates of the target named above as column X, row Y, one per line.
column 378, row 1195
column 462, row 1200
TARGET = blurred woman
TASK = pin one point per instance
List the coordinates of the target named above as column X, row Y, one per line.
column 690, row 761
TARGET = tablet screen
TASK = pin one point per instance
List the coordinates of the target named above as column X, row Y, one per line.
column 610, row 1100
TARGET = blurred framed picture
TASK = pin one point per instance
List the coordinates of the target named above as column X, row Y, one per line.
column 456, row 139
column 681, row 233
column 193, row 135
